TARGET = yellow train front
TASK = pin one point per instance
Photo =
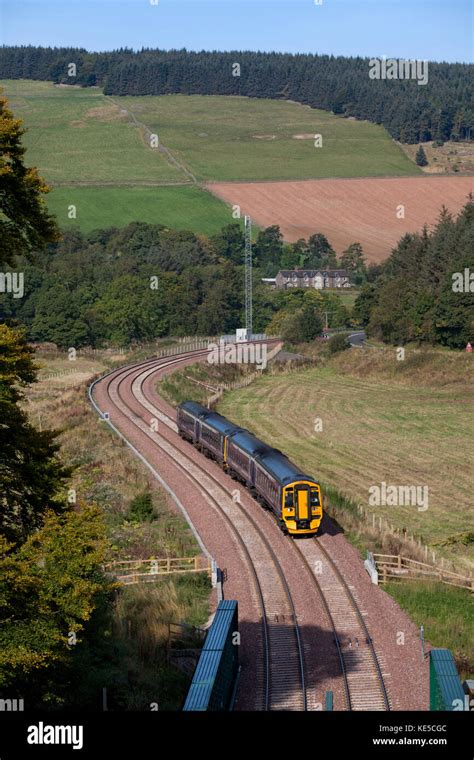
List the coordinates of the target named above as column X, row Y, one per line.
column 293, row 497
column 275, row 482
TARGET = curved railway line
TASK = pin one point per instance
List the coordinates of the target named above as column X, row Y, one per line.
column 283, row 661
column 283, row 676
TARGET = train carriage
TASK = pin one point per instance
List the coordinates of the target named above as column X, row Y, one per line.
column 292, row 496
column 215, row 431
column 205, row 428
column 242, row 449
column 188, row 416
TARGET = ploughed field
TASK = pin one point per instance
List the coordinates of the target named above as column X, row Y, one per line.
column 95, row 151
column 366, row 211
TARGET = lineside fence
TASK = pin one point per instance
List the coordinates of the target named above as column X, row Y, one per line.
column 219, row 391
column 395, row 567
column 128, row 572
column 426, row 554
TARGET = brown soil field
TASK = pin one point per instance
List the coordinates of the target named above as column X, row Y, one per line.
column 348, row 210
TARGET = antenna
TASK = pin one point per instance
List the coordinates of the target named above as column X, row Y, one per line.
column 248, row 276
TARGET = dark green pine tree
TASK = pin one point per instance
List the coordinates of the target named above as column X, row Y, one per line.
column 420, row 157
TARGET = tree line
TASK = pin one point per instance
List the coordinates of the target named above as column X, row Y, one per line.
column 442, row 109
column 425, row 289
column 142, row 282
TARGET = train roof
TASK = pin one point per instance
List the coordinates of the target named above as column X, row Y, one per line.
column 213, row 419
column 198, row 410
column 249, row 443
column 278, row 465
column 220, row 423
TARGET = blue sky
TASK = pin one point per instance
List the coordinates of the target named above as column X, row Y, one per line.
column 422, row 29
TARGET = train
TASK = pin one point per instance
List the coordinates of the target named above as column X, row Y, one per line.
column 277, row 484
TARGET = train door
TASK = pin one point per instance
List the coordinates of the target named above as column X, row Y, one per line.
column 252, row 473
column 302, row 501
column 197, row 431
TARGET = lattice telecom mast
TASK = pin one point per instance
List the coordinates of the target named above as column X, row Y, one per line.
column 248, row 276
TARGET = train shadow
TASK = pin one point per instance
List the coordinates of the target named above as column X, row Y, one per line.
column 329, row 526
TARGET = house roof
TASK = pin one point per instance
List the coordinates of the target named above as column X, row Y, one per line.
column 313, row 272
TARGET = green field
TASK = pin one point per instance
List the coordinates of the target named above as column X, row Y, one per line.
column 76, row 135
column 236, row 138
column 186, row 207
column 95, row 151
column 447, row 615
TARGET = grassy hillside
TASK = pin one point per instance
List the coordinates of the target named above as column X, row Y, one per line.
column 405, row 423
column 95, row 151
column 94, row 157
column 76, row 135
column 235, row 138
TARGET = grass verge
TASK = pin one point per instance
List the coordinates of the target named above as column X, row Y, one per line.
column 124, row 647
column 447, row 615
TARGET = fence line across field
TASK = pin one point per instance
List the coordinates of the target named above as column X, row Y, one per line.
column 381, row 525
column 395, row 566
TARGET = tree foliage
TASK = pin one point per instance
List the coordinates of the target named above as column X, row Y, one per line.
column 302, row 325
column 49, row 553
column 441, row 109
column 415, row 298
column 48, row 589
column 145, row 281
column 25, row 225
column 420, row 157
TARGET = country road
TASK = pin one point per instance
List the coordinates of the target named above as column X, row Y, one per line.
column 357, row 339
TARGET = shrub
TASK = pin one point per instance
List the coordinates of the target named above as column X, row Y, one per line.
column 141, row 508
column 338, row 343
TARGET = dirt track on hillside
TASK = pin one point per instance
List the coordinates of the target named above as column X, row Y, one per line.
column 348, row 210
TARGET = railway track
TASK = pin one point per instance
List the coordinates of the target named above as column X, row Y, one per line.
column 283, row 678
column 364, row 687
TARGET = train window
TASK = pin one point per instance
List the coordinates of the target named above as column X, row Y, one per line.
column 289, row 499
column 314, row 498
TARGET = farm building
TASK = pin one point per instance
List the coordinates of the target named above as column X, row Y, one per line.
column 312, row 278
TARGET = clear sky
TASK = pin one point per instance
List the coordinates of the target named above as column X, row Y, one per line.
column 439, row 30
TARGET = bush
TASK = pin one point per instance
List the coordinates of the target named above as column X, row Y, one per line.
column 302, row 326
column 438, row 144
column 338, row 343
column 141, row 508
